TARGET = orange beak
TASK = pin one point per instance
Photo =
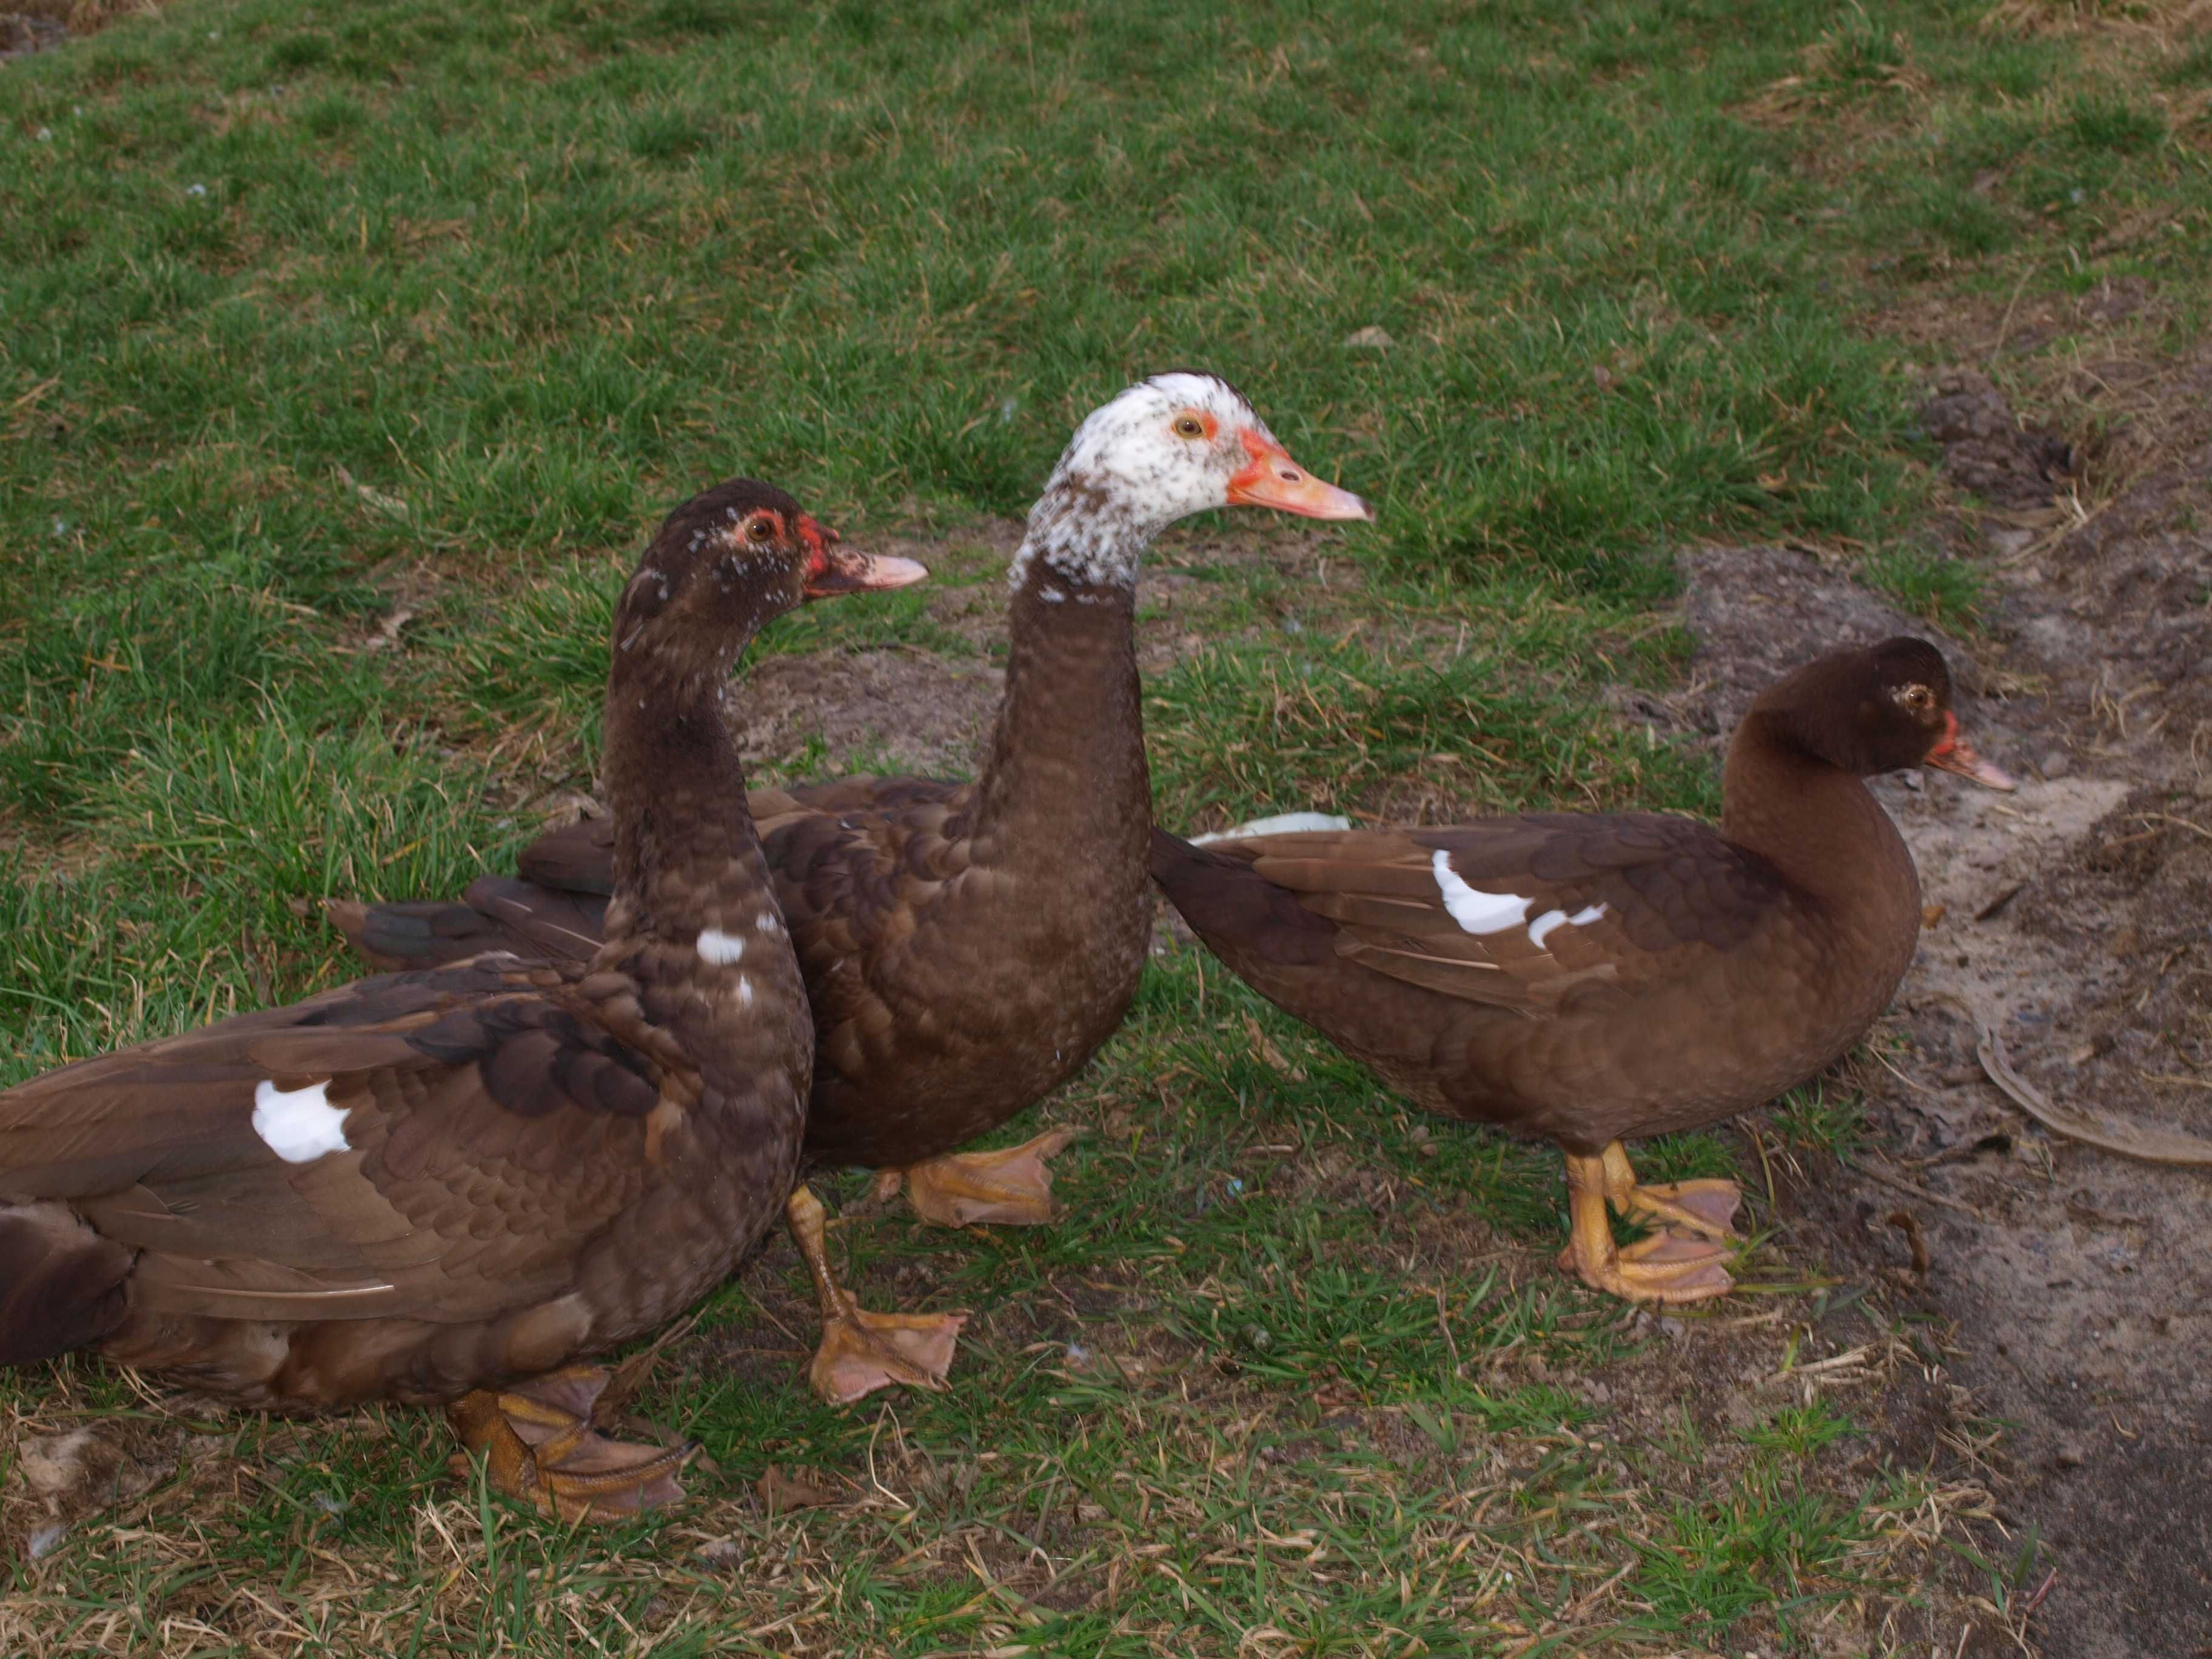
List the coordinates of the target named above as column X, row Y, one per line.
column 1274, row 479
column 1953, row 755
column 832, row 569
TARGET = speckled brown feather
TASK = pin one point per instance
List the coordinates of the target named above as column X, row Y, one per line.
column 1723, row 965
column 539, row 1161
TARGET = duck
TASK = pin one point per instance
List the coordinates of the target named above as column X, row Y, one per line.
column 1590, row 978
column 967, row 946
column 450, row 1186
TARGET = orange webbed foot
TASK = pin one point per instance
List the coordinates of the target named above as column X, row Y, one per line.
column 1668, row 1267
column 861, row 1351
column 539, row 1444
column 1705, row 1207
column 1009, row 1187
column 1665, row 1267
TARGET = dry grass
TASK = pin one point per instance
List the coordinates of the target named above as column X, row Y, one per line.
column 2170, row 22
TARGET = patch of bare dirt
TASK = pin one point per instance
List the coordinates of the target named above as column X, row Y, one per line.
column 2074, row 920
column 32, row 25
column 901, row 711
column 1986, row 450
column 23, row 34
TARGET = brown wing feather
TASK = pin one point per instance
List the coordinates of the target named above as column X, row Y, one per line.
column 493, row 1126
column 1560, row 908
column 577, row 858
column 846, row 856
column 852, row 878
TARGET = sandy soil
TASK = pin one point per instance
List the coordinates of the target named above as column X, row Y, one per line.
column 2073, row 920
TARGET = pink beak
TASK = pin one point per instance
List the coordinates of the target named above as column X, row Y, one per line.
column 835, row 569
column 1954, row 755
column 1274, row 479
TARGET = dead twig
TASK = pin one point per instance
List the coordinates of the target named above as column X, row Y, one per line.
column 2150, row 1145
column 1909, row 1223
column 1904, row 1186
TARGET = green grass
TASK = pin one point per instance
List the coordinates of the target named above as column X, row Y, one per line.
column 314, row 313
column 1951, row 592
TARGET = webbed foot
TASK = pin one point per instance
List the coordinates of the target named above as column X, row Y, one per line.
column 539, row 1446
column 861, row 1351
column 1667, row 1267
column 1009, row 1187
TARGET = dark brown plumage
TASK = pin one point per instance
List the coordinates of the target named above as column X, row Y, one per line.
column 966, row 946
column 429, row 1182
column 1587, row 978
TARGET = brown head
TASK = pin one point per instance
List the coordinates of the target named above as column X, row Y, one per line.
column 1882, row 707
column 724, row 564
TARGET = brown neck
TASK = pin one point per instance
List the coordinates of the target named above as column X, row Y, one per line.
column 1065, row 781
column 683, row 860
column 1817, row 825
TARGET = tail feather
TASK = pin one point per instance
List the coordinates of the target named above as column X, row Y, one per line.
column 61, row 1284
column 1243, row 917
column 498, row 914
column 399, row 937
column 1283, row 823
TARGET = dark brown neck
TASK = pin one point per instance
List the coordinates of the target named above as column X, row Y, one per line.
column 1817, row 825
column 1065, row 781
column 683, row 860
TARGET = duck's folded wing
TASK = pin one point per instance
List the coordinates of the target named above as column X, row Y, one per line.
column 422, row 1145
column 857, row 864
column 579, row 857
column 1536, row 913
column 853, row 866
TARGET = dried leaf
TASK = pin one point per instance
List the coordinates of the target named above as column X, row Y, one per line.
column 779, row 1492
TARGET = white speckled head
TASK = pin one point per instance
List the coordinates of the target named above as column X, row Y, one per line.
column 1171, row 445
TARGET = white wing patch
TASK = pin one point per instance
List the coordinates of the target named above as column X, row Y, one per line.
column 719, row 947
column 744, row 992
column 300, row 1124
column 1282, row 823
column 1541, row 927
column 1474, row 910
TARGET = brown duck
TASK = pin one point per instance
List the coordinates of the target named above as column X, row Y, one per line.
column 445, row 1186
column 1589, row 978
column 966, row 945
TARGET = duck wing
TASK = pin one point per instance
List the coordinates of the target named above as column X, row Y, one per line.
column 856, row 863
column 1540, row 915
column 554, row 909
column 438, row 1146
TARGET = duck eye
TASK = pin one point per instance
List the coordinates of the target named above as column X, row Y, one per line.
column 761, row 527
column 1189, row 425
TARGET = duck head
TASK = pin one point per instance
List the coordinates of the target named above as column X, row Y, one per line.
column 724, row 563
column 1173, row 444
column 1885, row 707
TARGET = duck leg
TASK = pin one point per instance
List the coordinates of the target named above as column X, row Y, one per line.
column 540, row 1444
column 1664, row 1268
column 1704, row 1207
column 861, row 1351
column 1009, row 1186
